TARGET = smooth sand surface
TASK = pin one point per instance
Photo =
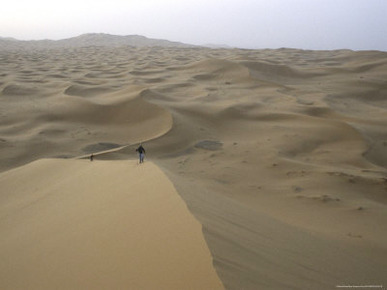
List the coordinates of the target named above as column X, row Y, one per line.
column 281, row 155
column 75, row 224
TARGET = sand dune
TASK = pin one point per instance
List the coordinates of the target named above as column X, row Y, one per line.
column 280, row 154
column 73, row 117
column 69, row 224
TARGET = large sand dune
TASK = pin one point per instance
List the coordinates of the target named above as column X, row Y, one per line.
column 74, row 224
column 280, row 154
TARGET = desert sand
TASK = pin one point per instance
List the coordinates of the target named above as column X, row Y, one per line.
column 280, row 155
column 99, row 225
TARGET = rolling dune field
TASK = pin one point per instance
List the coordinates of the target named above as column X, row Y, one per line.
column 280, row 155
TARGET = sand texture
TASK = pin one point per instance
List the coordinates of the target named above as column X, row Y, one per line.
column 281, row 155
column 99, row 225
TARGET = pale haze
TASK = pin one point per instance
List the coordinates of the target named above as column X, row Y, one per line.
column 326, row 24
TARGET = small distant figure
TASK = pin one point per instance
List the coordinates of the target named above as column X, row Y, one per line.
column 141, row 153
column 92, row 157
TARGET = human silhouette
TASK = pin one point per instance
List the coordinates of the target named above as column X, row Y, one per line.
column 141, row 153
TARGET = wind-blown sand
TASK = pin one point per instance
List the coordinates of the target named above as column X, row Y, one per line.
column 281, row 155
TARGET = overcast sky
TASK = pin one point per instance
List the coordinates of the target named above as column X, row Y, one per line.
column 307, row 24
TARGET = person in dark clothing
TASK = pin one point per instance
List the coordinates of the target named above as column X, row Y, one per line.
column 141, row 153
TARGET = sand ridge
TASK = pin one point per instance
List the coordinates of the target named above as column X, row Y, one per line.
column 285, row 144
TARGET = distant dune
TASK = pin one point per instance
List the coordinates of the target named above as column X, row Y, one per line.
column 280, row 155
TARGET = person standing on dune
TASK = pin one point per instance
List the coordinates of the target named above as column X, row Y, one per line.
column 141, row 153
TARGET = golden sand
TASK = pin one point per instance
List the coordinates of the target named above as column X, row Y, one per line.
column 281, row 155
column 75, row 224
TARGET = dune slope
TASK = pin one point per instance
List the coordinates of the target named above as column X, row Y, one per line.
column 75, row 224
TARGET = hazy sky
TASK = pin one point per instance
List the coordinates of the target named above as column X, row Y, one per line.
column 308, row 24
